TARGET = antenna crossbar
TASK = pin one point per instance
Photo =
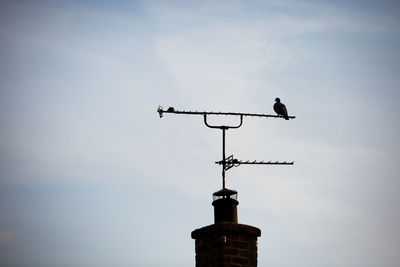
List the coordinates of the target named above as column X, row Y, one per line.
column 172, row 110
column 230, row 162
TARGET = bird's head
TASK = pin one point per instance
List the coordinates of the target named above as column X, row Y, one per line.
column 277, row 100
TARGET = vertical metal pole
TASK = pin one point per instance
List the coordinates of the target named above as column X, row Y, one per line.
column 223, row 158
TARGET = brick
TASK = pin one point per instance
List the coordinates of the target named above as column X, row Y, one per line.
column 248, row 238
column 214, row 253
column 253, row 263
column 243, row 261
column 200, row 249
column 228, row 244
column 240, row 244
column 253, row 246
column 199, row 258
column 230, row 251
column 232, row 236
column 248, row 254
column 227, row 259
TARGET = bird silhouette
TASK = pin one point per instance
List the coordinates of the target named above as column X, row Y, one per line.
column 280, row 108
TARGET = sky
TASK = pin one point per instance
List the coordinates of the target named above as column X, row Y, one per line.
column 91, row 176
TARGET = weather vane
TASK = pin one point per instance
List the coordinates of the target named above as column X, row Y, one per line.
column 229, row 162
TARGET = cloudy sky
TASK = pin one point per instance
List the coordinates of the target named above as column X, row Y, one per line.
column 91, row 176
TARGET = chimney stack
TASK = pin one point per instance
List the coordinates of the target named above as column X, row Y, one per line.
column 226, row 243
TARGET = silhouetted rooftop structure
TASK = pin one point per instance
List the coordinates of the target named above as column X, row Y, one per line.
column 226, row 242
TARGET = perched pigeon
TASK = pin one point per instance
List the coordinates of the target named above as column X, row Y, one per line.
column 280, row 108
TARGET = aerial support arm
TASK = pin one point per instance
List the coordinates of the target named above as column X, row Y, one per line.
column 223, row 126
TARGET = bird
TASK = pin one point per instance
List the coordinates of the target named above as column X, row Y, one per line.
column 280, row 108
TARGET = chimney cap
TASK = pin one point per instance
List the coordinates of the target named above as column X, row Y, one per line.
column 225, row 193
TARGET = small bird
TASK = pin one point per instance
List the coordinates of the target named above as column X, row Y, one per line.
column 280, row 108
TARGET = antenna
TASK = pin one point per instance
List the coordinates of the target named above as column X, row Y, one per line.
column 227, row 162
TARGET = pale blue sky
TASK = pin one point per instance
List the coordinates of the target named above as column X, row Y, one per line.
column 90, row 176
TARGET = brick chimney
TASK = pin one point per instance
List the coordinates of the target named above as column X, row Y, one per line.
column 226, row 243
